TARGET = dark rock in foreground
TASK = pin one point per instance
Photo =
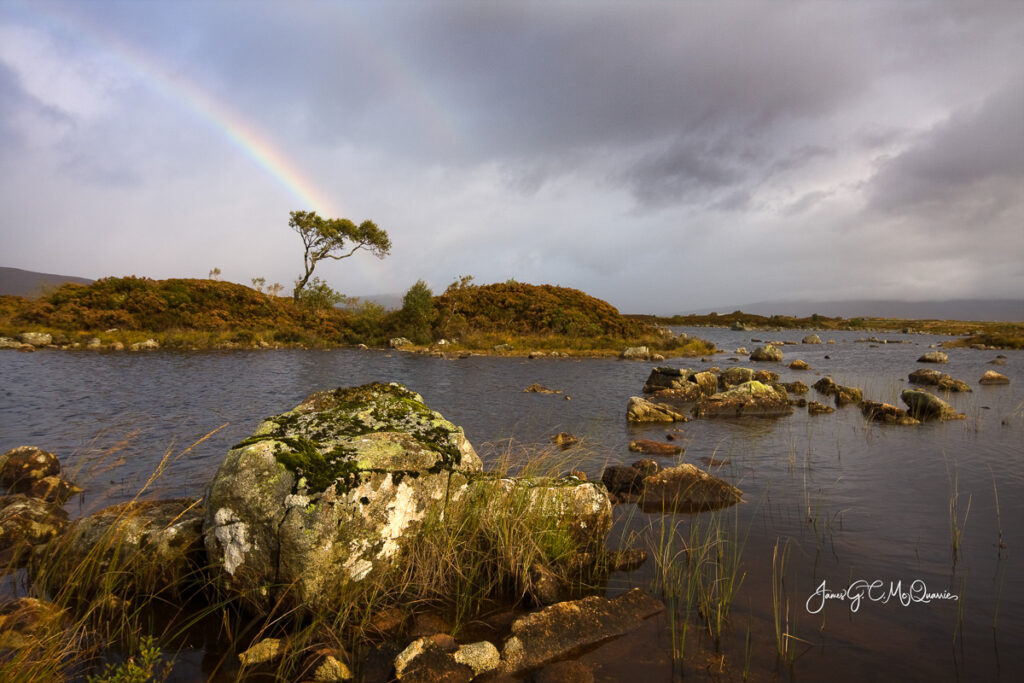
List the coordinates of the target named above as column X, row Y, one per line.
column 561, row 630
column 22, row 466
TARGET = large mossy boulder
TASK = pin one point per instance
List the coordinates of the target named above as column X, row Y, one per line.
column 768, row 353
column 750, row 399
column 324, row 496
column 26, row 523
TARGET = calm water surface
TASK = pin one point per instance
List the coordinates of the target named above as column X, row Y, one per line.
column 851, row 500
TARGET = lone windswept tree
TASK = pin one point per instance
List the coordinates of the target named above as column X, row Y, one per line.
column 334, row 238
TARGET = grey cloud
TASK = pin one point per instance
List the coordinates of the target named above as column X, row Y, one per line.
column 960, row 154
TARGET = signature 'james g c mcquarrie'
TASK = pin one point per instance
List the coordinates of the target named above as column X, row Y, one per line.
column 876, row 591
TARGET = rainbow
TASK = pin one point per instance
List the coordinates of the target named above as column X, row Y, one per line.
column 245, row 136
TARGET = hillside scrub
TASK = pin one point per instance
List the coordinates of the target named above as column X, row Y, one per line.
column 198, row 314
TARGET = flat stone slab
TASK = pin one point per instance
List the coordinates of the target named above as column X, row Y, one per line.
column 565, row 628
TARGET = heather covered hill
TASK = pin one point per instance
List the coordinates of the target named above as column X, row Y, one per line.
column 516, row 307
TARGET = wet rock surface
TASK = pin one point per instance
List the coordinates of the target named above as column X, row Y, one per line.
column 563, row 629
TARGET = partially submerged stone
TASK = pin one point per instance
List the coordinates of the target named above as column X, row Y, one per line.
column 686, row 488
column 151, row 545
column 563, row 629
column 811, row 339
column 799, row 365
column 565, row 440
column 993, row 377
column 796, row 387
column 886, row 413
column 930, row 377
column 842, row 395
column 540, row 389
column 766, row 376
column 326, row 495
column 766, row 353
column 678, row 399
column 933, row 357
column 922, row 405
column 622, row 478
column 642, row 410
column 654, row 447
column 750, row 399
column 26, row 523
column 815, row 408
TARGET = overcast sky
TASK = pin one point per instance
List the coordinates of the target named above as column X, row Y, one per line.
column 664, row 157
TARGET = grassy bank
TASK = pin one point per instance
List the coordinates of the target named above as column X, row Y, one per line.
column 208, row 314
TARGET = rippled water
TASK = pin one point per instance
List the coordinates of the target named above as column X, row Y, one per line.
column 854, row 500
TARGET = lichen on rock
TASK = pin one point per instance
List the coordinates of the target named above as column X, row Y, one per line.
column 325, row 495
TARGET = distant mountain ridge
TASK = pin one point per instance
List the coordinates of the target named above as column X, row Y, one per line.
column 1011, row 310
column 20, row 282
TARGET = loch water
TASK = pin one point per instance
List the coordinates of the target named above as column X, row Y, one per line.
column 848, row 500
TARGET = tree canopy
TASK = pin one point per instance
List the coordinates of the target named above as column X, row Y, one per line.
column 334, row 238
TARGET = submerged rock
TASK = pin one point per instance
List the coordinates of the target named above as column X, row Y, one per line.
column 993, row 377
column 748, row 399
column 799, row 365
column 812, row 339
column 923, row 406
column 642, row 410
column 540, row 389
column 327, row 494
column 887, row 413
column 153, row 545
column 686, row 488
column 563, row 629
column 766, row 353
column 654, row 447
column 565, row 440
column 934, row 357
